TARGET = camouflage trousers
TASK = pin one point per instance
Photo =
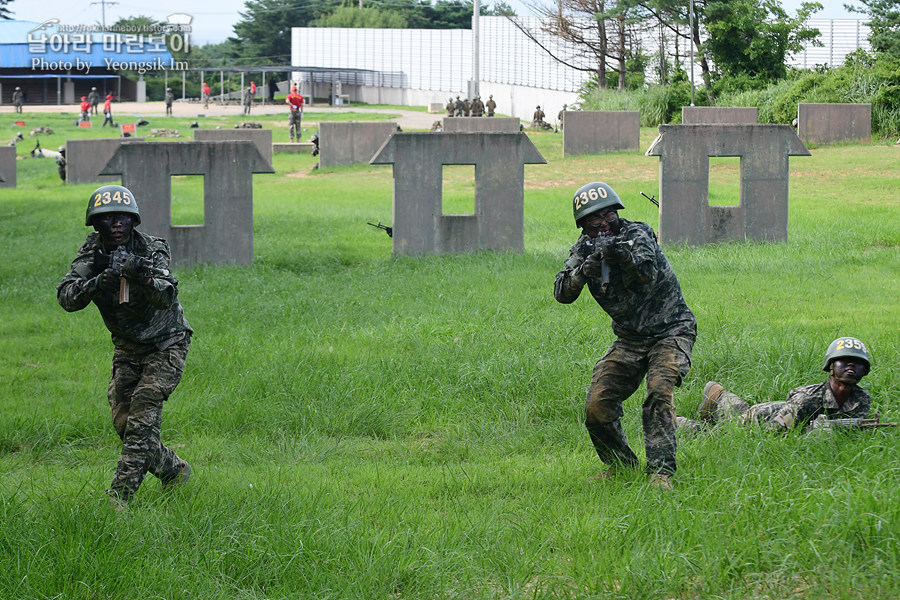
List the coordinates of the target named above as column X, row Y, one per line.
column 143, row 377
column 730, row 407
column 617, row 376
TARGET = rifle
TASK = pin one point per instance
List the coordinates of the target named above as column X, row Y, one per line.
column 116, row 263
column 388, row 230
column 651, row 199
column 851, row 423
column 124, row 264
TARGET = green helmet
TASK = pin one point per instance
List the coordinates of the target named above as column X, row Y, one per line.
column 593, row 197
column 112, row 198
column 845, row 347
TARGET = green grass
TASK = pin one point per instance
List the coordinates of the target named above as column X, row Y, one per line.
column 363, row 426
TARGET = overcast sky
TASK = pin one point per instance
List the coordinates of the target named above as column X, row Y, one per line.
column 213, row 20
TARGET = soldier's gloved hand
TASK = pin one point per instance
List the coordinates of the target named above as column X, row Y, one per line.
column 614, row 251
column 592, row 266
column 108, row 281
column 136, row 268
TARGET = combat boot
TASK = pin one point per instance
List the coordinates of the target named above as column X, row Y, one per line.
column 661, row 480
column 180, row 479
column 711, row 394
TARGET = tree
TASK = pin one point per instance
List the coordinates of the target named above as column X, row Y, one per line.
column 752, row 38
column 5, row 13
column 884, row 24
column 263, row 35
column 585, row 25
column 351, row 16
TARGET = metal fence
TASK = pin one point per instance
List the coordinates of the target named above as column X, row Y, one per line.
column 441, row 59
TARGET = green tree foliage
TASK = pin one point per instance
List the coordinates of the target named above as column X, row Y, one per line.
column 5, row 13
column 884, row 24
column 263, row 35
column 353, row 16
column 750, row 39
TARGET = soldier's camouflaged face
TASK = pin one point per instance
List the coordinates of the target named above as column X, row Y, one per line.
column 114, row 228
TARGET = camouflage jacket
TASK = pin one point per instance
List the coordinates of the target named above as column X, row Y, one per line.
column 153, row 314
column 804, row 404
column 643, row 296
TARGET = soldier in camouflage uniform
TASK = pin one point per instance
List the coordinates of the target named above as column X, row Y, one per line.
column 631, row 279
column 94, row 99
column 126, row 274
column 809, row 406
column 491, row 106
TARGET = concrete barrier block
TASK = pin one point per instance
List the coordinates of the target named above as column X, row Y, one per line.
column 482, row 124
column 710, row 115
column 344, row 144
column 600, row 131
column 828, row 123
column 261, row 137
column 86, row 158
column 293, row 148
column 7, row 166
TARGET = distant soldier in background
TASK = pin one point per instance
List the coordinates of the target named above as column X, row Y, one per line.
column 170, row 98
column 559, row 117
column 248, row 100
column 85, row 108
column 809, row 406
column 295, row 118
column 477, row 107
column 467, row 107
column 205, row 94
column 94, row 99
column 126, row 274
column 451, row 107
column 537, row 120
column 459, row 107
column 18, row 99
column 491, row 106
column 107, row 112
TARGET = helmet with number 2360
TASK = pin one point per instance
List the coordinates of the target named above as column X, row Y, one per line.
column 593, row 197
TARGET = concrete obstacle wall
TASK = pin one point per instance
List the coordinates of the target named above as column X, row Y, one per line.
column 7, row 166
column 481, row 124
column 343, row 144
column 499, row 219
column 226, row 235
column 86, row 158
column 261, row 137
column 684, row 211
column 697, row 115
column 292, row 147
column 599, row 131
column 826, row 123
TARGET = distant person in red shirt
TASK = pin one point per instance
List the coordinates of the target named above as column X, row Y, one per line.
column 107, row 112
column 205, row 95
column 295, row 102
column 85, row 109
column 253, row 88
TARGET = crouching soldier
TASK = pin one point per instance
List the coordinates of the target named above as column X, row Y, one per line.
column 126, row 274
column 838, row 400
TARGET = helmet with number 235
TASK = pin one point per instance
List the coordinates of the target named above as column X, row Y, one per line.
column 846, row 347
column 593, row 197
column 111, row 198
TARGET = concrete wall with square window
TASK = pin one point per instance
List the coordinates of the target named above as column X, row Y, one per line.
column 146, row 168
column 762, row 213
column 420, row 225
column 601, row 131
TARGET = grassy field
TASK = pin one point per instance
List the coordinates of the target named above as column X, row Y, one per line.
column 362, row 426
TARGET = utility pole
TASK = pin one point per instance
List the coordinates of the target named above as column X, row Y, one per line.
column 103, row 4
column 474, row 91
